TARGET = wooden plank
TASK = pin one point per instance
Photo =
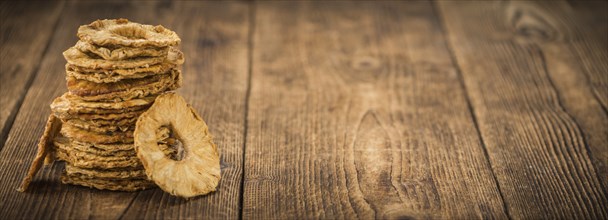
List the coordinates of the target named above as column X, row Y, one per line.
column 577, row 65
column 214, row 40
column 586, row 31
column 356, row 111
column 26, row 30
column 534, row 105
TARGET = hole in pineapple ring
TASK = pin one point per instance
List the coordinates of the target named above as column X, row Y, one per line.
column 169, row 143
column 130, row 32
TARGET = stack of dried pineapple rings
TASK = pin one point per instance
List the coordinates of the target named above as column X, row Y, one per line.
column 120, row 126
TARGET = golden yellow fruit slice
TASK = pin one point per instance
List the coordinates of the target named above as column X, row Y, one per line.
column 196, row 169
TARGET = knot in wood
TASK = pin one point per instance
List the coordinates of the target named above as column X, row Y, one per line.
column 365, row 63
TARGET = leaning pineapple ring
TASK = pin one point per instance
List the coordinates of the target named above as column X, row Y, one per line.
column 198, row 171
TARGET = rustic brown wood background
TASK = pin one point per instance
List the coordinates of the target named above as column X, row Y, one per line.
column 345, row 110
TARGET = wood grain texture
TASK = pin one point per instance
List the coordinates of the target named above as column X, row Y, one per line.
column 537, row 100
column 214, row 40
column 344, row 110
column 578, row 68
column 356, row 111
column 26, row 30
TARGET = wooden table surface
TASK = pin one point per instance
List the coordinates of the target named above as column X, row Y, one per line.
column 344, row 110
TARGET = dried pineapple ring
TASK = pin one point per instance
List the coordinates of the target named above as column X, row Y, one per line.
column 198, row 172
column 122, row 32
column 121, row 53
column 45, row 146
column 68, row 103
column 84, row 60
